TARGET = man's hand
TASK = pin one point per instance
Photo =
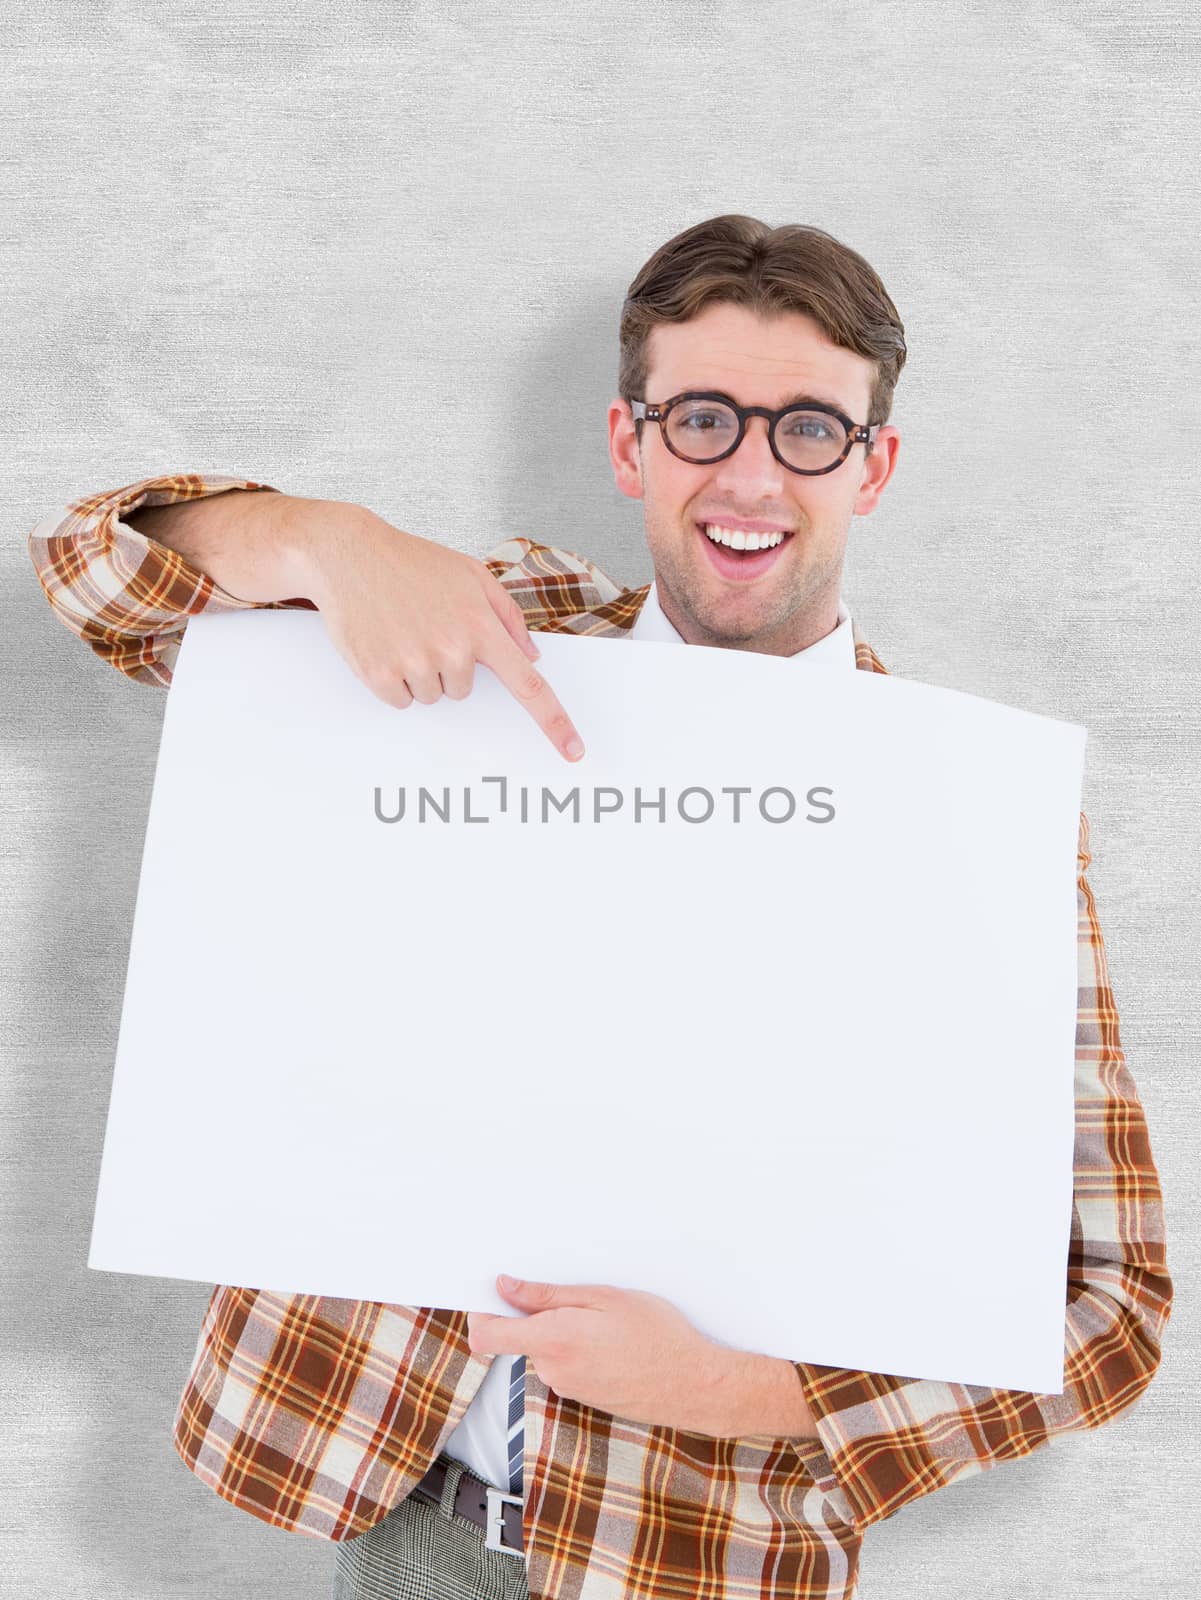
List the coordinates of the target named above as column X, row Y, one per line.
column 635, row 1355
column 412, row 617
column 620, row 1350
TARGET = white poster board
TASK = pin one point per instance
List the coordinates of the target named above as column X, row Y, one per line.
column 784, row 1070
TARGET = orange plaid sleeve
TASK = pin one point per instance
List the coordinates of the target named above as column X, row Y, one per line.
column 884, row 1441
column 126, row 595
column 129, row 597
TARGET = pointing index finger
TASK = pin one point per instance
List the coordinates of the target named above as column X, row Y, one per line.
column 531, row 690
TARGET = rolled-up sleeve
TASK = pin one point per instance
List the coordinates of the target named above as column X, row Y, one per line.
column 126, row 595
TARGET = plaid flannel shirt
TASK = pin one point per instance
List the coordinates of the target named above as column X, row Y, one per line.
column 319, row 1415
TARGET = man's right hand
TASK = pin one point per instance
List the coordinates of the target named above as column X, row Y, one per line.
column 412, row 617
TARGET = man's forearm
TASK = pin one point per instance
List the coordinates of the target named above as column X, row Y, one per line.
column 256, row 543
column 759, row 1397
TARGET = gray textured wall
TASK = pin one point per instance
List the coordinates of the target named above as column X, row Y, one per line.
column 289, row 242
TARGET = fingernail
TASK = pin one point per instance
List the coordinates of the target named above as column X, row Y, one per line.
column 507, row 1283
column 575, row 747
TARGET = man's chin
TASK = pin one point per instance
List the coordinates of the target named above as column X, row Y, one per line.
column 722, row 620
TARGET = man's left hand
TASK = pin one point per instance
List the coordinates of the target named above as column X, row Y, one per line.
column 623, row 1351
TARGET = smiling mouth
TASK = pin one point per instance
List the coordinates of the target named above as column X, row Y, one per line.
column 730, row 560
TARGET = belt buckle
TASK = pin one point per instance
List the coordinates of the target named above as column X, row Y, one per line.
column 494, row 1530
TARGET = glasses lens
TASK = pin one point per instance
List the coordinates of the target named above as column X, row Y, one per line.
column 810, row 439
column 702, row 430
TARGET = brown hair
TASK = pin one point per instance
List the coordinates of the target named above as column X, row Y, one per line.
column 770, row 271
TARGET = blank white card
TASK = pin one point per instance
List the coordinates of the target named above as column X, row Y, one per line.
column 766, row 1005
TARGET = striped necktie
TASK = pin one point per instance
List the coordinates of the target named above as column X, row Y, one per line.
column 516, row 1434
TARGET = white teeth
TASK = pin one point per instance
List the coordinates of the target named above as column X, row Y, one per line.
column 735, row 539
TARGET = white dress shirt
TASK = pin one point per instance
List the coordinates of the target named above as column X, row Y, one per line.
column 835, row 648
column 480, row 1440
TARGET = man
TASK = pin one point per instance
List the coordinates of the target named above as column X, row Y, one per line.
column 757, row 370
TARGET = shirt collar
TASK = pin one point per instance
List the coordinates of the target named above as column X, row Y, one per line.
column 836, row 648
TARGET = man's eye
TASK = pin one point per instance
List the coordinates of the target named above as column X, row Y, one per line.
column 811, row 428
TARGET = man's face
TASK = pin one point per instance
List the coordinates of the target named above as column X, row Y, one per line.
column 786, row 598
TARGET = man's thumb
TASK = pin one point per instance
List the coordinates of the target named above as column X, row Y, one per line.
column 526, row 1294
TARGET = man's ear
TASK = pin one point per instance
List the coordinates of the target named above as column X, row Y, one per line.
column 624, row 450
column 877, row 470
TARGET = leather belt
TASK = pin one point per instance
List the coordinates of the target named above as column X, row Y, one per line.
column 496, row 1511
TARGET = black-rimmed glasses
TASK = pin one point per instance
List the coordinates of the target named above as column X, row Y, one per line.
column 703, row 426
